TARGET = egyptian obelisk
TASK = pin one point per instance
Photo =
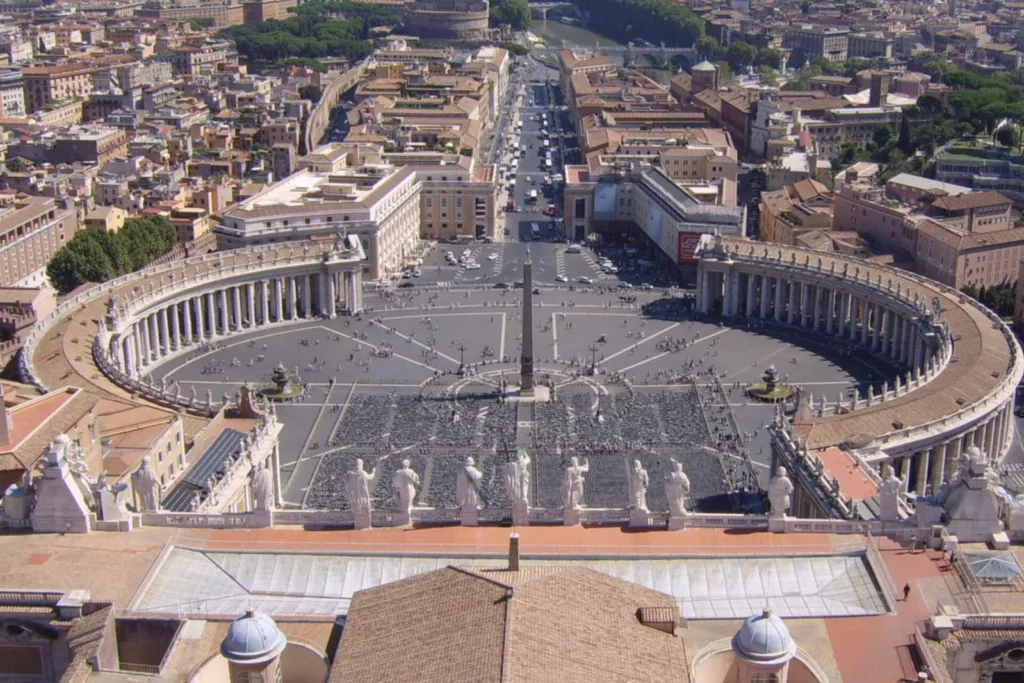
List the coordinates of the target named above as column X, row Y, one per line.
column 526, row 363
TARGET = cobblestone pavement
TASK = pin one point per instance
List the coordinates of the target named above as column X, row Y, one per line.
column 386, row 386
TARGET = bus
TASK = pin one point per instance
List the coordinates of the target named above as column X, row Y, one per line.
column 535, row 230
column 533, row 196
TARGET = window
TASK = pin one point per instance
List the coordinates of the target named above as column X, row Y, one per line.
column 764, row 678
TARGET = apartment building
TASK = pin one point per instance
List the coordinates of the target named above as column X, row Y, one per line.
column 390, row 208
column 224, row 13
column 12, row 94
column 855, row 125
column 191, row 60
column 818, row 41
column 959, row 258
column 983, row 169
column 46, row 84
column 871, row 45
column 32, row 229
column 793, row 214
column 93, row 145
column 888, row 223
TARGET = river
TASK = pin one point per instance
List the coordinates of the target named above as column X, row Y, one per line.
column 559, row 35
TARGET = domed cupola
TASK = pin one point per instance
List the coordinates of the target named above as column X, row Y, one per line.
column 253, row 639
column 764, row 639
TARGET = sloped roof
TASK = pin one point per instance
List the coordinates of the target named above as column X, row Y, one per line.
column 537, row 624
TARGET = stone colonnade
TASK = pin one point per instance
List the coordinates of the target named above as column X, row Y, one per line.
column 861, row 311
column 195, row 315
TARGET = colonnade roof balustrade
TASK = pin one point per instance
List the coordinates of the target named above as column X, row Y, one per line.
column 985, row 365
column 59, row 350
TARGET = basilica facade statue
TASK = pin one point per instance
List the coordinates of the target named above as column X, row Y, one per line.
column 406, row 480
column 780, row 491
column 572, row 484
column 677, row 488
column 467, row 489
column 146, row 486
column 638, row 483
column 358, row 485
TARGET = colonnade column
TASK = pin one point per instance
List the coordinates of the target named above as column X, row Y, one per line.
column 922, row 470
column 778, row 299
column 293, row 311
column 938, row 467
column 953, row 450
column 805, row 305
column 332, row 306
column 175, row 335
column 164, row 330
column 263, row 302
column 236, row 307
column 818, row 295
column 791, row 303
column 751, row 294
column 187, row 319
column 830, row 311
column 128, row 355
column 154, row 336
column 766, row 289
column 307, row 298
column 250, row 303
column 844, row 305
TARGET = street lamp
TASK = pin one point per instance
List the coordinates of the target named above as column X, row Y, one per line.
column 462, row 357
column 593, row 357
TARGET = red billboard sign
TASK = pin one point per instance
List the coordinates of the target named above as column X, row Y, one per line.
column 688, row 243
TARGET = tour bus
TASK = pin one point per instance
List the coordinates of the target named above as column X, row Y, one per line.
column 547, row 143
column 535, row 230
column 533, row 196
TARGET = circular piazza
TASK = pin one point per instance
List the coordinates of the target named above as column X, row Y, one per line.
column 894, row 367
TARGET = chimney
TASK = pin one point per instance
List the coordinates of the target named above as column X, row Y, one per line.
column 513, row 553
column 661, row 618
column 5, row 422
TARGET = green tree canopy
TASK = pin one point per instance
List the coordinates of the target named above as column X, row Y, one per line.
column 656, row 21
column 740, row 55
column 97, row 256
column 311, row 92
column 513, row 12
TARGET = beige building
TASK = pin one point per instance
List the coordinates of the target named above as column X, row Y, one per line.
column 958, row 258
column 106, row 218
column 32, row 229
column 787, row 214
column 46, row 84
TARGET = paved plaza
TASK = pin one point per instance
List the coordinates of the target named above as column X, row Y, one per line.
column 385, row 386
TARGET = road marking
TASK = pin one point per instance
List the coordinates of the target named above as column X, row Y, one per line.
column 501, row 347
column 410, row 339
column 554, row 335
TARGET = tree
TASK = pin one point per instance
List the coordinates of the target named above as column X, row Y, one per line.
column 311, row 92
column 200, row 23
column 770, row 57
column 514, row 49
column 1007, row 135
column 740, row 55
column 81, row 260
column 708, row 48
column 516, row 13
column 906, row 143
column 767, row 75
column 882, row 135
column 655, row 21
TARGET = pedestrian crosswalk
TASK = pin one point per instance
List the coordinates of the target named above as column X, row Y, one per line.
column 599, row 274
column 560, row 262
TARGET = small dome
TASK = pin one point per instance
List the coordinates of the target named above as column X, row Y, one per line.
column 705, row 66
column 763, row 638
column 252, row 639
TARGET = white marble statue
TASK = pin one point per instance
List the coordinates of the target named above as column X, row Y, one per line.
column 780, row 489
column 406, row 480
column 889, row 493
column 677, row 488
column 358, row 483
column 517, row 478
column 147, row 487
column 572, row 484
column 467, row 489
column 638, row 483
column 262, row 489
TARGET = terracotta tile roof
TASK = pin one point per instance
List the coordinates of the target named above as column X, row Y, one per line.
column 972, row 200
column 539, row 624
